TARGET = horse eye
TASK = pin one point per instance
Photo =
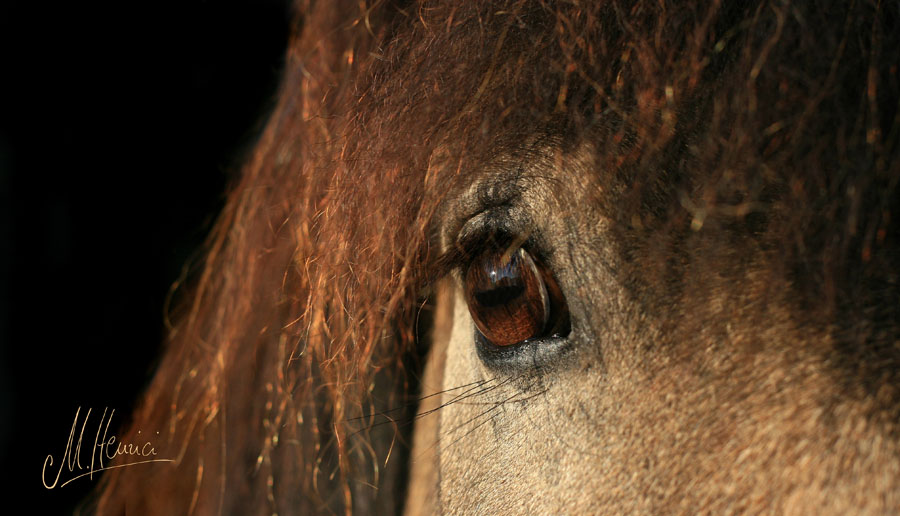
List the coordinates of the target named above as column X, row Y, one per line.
column 512, row 298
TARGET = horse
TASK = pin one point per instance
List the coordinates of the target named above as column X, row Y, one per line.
column 534, row 257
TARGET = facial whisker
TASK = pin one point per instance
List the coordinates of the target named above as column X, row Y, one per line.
column 390, row 420
column 472, row 419
column 417, row 401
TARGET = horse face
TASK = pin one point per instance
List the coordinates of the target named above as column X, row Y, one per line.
column 660, row 241
column 691, row 359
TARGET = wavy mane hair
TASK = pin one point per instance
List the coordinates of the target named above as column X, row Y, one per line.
column 768, row 122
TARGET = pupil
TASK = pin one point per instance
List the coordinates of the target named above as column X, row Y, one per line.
column 498, row 296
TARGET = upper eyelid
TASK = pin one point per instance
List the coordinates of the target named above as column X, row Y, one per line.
column 465, row 247
column 493, row 197
column 472, row 243
column 495, row 190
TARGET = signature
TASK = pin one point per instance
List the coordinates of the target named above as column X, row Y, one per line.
column 103, row 449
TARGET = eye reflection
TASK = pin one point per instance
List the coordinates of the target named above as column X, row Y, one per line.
column 512, row 298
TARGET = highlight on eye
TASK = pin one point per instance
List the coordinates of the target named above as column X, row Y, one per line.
column 513, row 298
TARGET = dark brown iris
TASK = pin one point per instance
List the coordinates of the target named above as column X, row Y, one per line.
column 511, row 298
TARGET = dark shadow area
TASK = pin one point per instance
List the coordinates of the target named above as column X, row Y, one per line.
column 121, row 124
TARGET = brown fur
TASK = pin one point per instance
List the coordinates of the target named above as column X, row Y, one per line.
column 715, row 187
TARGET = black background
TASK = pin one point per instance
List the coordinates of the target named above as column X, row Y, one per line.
column 122, row 124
